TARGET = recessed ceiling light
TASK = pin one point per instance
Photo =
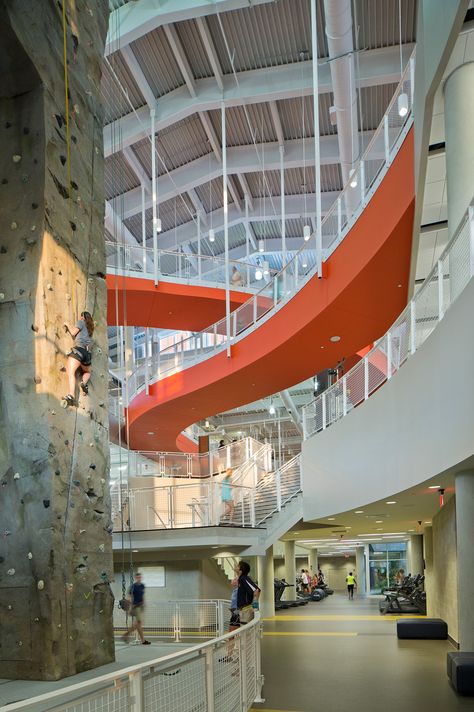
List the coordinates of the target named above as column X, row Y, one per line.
column 335, row 339
column 331, row 519
column 322, row 347
column 378, row 521
column 391, row 502
column 427, row 522
column 433, row 487
column 399, row 285
column 380, row 529
column 359, row 511
column 134, row 551
column 348, row 527
column 150, row 433
column 411, row 530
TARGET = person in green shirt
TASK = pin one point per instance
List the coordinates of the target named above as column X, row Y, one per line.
column 351, row 582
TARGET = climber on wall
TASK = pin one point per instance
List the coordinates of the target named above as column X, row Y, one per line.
column 80, row 355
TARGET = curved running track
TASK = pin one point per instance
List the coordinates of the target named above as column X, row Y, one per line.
column 364, row 290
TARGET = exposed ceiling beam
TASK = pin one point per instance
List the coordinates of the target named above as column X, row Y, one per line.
column 135, row 19
column 246, row 189
column 262, row 210
column 206, row 38
column 293, row 411
column 181, row 59
column 377, row 67
column 211, row 135
column 137, row 168
column 198, row 205
column 188, row 251
column 234, row 193
column 137, row 73
column 114, row 225
column 240, row 159
column 277, row 122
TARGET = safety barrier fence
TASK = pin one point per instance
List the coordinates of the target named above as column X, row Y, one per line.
column 179, row 620
column 447, row 279
column 364, row 181
column 208, row 502
column 129, row 260
column 223, row 674
column 246, row 451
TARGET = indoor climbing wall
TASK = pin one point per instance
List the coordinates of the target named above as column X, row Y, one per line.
column 55, row 529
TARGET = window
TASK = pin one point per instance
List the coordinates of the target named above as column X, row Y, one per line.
column 385, row 560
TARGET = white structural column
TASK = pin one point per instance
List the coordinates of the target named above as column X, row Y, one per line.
column 465, row 554
column 458, row 117
column 317, row 147
column 360, row 570
column 282, row 203
column 266, row 576
column 313, row 561
column 415, row 554
column 247, row 239
column 226, row 229
column 143, row 227
column 430, row 583
column 289, row 594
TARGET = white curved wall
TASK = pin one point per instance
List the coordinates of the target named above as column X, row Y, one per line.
column 418, row 425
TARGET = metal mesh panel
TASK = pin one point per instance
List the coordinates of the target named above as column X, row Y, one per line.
column 249, row 643
column 426, row 309
column 197, row 618
column 400, row 335
column 227, row 685
column 377, row 365
column 182, row 687
column 459, row 262
column 355, row 390
column 116, row 699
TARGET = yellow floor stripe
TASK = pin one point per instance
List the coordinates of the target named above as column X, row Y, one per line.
column 319, row 634
column 390, row 617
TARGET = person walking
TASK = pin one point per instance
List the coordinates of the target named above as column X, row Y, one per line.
column 351, row 582
column 137, row 600
column 227, row 497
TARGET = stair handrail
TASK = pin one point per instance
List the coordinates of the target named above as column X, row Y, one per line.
column 297, row 271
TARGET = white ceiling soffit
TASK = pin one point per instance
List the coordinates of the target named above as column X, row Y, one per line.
column 135, row 19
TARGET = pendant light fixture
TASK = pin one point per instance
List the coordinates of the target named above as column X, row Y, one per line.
column 402, row 102
column 258, row 270
column 212, row 235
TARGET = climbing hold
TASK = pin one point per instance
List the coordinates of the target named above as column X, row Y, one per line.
column 46, row 503
column 11, row 572
column 74, row 186
column 49, row 287
column 40, row 585
column 16, row 476
column 92, row 467
column 34, row 328
column 59, row 625
column 36, row 620
column 20, row 643
column 25, row 177
column 16, row 158
column 4, row 181
column 13, row 225
column 76, row 483
column 101, row 547
column 68, row 298
column 34, row 205
column 31, row 240
column 22, row 256
column 30, row 555
column 57, row 472
column 7, row 124
column 53, row 412
column 69, row 587
column 10, row 608
column 2, row 296
column 59, row 119
column 33, row 228
column 3, row 250
column 102, row 480
column 26, row 131
column 63, row 160
column 37, row 380
column 81, row 531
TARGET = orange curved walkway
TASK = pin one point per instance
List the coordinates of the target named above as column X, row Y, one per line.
column 170, row 305
column 364, row 291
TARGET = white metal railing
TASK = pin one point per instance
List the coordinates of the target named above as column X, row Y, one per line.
column 447, row 279
column 142, row 463
column 221, row 674
column 209, row 270
column 178, row 620
column 364, row 181
column 210, row 502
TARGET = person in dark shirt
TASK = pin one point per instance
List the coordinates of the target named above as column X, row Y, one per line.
column 137, row 599
column 248, row 593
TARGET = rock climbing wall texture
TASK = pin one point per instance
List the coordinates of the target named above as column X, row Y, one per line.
column 55, row 529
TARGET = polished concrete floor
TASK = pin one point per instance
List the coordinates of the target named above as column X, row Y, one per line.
column 342, row 656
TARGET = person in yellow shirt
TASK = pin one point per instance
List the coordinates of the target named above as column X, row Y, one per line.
column 351, row 582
